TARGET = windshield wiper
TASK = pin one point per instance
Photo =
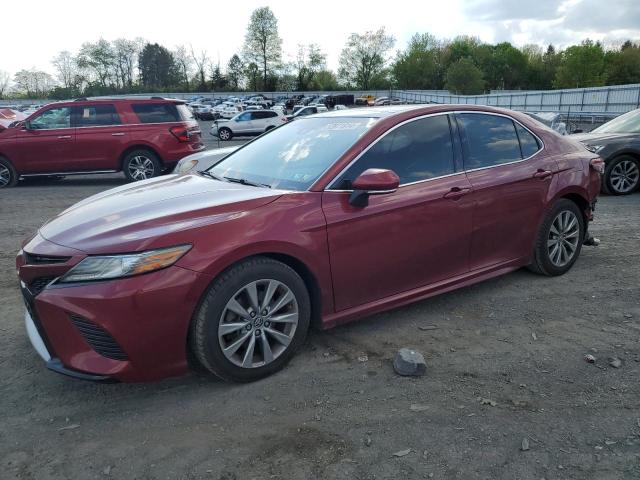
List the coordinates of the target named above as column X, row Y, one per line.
column 244, row 181
column 207, row 173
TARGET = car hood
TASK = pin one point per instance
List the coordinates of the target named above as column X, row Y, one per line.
column 152, row 214
column 593, row 138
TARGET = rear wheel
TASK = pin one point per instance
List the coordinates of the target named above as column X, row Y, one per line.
column 8, row 175
column 141, row 165
column 622, row 176
column 251, row 321
column 559, row 240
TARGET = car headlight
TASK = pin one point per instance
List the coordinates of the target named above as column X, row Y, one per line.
column 594, row 148
column 116, row 266
column 186, row 166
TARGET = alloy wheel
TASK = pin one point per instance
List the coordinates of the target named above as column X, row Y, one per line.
column 141, row 167
column 564, row 235
column 624, row 176
column 5, row 176
column 258, row 323
column 224, row 134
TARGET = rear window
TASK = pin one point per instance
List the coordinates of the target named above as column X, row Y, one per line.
column 97, row 116
column 161, row 112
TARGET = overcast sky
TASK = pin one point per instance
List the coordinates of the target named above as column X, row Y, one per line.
column 35, row 31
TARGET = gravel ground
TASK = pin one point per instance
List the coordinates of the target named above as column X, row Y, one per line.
column 505, row 367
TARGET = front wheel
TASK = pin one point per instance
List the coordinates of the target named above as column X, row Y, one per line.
column 560, row 239
column 141, row 165
column 622, row 176
column 252, row 320
column 225, row 134
column 8, row 175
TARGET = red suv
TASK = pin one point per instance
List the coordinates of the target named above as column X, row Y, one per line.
column 323, row 220
column 140, row 136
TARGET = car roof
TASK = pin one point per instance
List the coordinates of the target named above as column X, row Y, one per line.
column 382, row 112
column 111, row 100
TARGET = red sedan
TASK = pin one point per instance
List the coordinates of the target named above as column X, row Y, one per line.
column 323, row 220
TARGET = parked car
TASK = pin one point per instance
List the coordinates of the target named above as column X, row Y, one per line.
column 227, row 111
column 365, row 100
column 247, row 123
column 300, row 111
column 323, row 220
column 205, row 112
column 294, row 100
column 140, row 137
column 320, row 107
column 618, row 143
column 382, row 101
column 339, row 107
column 202, row 160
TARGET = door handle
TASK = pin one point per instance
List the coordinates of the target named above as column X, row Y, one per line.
column 64, row 137
column 119, row 134
column 542, row 174
column 457, row 192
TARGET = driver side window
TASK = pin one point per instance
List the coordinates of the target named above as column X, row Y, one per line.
column 52, row 119
column 419, row 150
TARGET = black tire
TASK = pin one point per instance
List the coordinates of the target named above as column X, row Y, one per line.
column 623, row 162
column 203, row 337
column 542, row 261
column 8, row 175
column 134, row 161
column 225, row 134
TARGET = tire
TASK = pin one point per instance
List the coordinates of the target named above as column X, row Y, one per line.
column 8, row 175
column 249, row 360
column 141, row 164
column 269, row 127
column 225, row 134
column 558, row 227
column 621, row 176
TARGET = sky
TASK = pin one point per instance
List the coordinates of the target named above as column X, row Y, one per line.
column 37, row 30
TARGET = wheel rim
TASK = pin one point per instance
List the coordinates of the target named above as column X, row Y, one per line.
column 564, row 235
column 258, row 323
column 624, row 176
column 224, row 135
column 141, row 167
column 5, row 176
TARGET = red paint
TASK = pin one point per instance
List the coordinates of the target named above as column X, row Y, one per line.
column 423, row 239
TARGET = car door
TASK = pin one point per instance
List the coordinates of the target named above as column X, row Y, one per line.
column 243, row 123
column 100, row 137
column 510, row 174
column 418, row 235
column 46, row 144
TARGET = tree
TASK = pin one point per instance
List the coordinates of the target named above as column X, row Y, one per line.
column 33, row 83
column 262, row 44
column 623, row 66
column 309, row 61
column 67, row 68
column 5, row 78
column 252, row 72
column 184, row 64
column 125, row 53
column 235, row 71
column 98, row 59
column 218, row 80
column 202, row 61
column 157, row 67
column 418, row 66
column 581, row 66
column 325, row 80
column 465, row 78
column 363, row 59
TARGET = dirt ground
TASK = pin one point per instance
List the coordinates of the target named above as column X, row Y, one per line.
column 505, row 364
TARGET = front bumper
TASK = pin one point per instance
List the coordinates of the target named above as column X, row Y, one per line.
column 144, row 318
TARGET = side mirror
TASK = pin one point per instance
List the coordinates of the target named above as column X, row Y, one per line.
column 373, row 181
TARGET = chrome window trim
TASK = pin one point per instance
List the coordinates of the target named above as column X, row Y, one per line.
column 328, row 187
column 114, row 125
column 464, row 170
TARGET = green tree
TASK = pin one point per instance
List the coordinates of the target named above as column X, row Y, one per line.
column 465, row 78
column 98, row 59
column 418, row 67
column 325, row 80
column 262, row 44
column 157, row 67
column 309, row 61
column 363, row 59
column 252, row 72
column 581, row 66
column 623, row 66
column 507, row 67
column 235, row 72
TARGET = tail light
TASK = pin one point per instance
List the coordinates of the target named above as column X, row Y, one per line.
column 597, row 164
column 181, row 133
column 284, row 119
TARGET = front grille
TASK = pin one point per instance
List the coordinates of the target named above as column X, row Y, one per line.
column 99, row 339
column 33, row 259
column 37, row 285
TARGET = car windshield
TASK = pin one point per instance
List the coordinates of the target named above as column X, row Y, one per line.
column 627, row 123
column 293, row 156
